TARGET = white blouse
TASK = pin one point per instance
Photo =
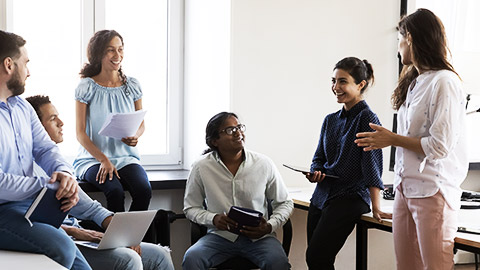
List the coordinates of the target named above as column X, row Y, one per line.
column 434, row 110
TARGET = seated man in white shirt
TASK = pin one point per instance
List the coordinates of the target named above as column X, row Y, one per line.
column 229, row 175
column 151, row 256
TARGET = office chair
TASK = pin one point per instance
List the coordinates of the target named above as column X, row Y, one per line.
column 241, row 263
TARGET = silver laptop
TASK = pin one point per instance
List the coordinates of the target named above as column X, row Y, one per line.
column 125, row 230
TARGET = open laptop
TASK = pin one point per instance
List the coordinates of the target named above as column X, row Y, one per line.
column 125, row 230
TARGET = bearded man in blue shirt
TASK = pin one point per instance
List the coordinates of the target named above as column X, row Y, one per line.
column 23, row 140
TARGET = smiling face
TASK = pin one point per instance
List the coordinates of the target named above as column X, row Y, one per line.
column 345, row 89
column 113, row 57
column 51, row 122
column 230, row 143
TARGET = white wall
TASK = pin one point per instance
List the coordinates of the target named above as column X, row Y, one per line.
column 280, row 55
column 283, row 53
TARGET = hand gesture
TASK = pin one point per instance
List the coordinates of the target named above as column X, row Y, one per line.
column 130, row 141
column 67, row 189
column 378, row 139
column 106, row 169
column 315, row 177
column 257, row 232
column 223, row 222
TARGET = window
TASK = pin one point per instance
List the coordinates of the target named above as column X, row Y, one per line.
column 57, row 34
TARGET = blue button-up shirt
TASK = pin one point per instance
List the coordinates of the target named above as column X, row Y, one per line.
column 337, row 154
column 23, row 139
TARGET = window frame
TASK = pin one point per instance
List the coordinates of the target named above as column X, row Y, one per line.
column 93, row 19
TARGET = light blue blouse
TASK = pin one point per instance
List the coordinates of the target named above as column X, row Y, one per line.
column 100, row 102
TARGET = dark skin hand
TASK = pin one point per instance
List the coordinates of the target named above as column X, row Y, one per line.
column 223, row 222
column 257, row 232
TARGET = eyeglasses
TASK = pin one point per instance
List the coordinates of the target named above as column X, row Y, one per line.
column 231, row 130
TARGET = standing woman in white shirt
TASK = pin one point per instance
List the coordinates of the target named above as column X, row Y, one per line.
column 431, row 160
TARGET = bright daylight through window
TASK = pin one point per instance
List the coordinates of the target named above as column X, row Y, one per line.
column 57, row 32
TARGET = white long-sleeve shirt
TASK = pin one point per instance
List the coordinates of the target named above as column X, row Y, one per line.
column 256, row 181
column 434, row 110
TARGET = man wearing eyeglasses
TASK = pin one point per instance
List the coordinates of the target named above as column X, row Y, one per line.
column 230, row 175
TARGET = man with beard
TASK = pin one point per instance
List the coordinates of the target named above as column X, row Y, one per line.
column 23, row 140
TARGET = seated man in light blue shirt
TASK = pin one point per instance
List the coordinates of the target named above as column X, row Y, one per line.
column 229, row 175
column 151, row 257
column 23, row 140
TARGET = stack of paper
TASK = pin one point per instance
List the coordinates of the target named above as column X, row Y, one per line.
column 122, row 125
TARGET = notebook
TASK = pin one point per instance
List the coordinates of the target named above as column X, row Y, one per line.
column 46, row 209
column 125, row 230
column 244, row 216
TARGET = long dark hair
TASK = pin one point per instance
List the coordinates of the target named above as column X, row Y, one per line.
column 429, row 49
column 97, row 47
column 212, row 130
column 358, row 69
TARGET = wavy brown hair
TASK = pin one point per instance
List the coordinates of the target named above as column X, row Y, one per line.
column 429, row 49
column 96, row 50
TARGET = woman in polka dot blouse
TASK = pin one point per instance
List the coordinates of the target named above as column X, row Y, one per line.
column 337, row 203
column 431, row 157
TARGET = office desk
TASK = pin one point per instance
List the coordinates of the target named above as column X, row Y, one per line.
column 463, row 241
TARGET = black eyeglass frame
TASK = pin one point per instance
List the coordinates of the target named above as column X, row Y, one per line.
column 233, row 129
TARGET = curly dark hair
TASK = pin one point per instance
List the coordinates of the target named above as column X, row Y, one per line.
column 97, row 47
column 37, row 101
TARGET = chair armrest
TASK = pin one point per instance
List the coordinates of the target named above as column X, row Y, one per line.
column 196, row 232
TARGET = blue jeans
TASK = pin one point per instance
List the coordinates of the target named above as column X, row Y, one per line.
column 133, row 178
column 16, row 234
column 154, row 257
column 212, row 250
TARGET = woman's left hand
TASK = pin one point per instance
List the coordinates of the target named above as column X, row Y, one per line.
column 379, row 215
column 378, row 139
column 130, row 141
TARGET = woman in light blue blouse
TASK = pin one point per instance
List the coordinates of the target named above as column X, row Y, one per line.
column 109, row 164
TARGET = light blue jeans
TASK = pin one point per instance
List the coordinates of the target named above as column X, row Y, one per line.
column 154, row 257
column 16, row 234
column 212, row 250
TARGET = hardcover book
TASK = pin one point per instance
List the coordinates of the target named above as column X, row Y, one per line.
column 46, row 209
column 244, row 216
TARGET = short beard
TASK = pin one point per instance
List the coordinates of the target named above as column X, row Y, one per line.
column 15, row 84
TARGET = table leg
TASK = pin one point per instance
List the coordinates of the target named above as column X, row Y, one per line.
column 361, row 246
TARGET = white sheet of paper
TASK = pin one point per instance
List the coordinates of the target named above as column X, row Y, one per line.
column 121, row 125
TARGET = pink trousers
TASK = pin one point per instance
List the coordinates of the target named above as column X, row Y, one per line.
column 423, row 232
